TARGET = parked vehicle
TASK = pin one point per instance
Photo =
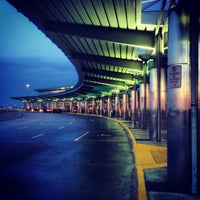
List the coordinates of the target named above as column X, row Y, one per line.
column 49, row 109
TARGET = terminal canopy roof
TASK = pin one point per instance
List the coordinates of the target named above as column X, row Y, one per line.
column 107, row 41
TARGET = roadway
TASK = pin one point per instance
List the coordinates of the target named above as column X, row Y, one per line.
column 65, row 157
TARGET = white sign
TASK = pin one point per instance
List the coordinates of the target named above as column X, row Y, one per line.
column 174, row 76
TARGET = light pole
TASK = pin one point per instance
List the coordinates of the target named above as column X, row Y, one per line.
column 27, row 86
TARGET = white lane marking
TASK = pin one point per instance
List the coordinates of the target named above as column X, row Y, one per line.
column 24, row 127
column 78, row 138
column 61, row 127
column 36, row 136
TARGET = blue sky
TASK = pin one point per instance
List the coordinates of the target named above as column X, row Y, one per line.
column 28, row 56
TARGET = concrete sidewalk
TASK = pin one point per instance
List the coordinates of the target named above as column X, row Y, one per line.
column 151, row 166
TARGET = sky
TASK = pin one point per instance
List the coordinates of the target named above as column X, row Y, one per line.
column 28, row 56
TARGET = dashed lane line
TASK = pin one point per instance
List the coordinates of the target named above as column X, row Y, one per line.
column 24, row 127
column 36, row 136
column 61, row 127
column 78, row 138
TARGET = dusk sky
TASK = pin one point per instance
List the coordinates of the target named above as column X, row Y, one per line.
column 28, row 56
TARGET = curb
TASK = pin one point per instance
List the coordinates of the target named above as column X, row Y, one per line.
column 140, row 163
column 10, row 117
column 141, row 189
column 143, row 160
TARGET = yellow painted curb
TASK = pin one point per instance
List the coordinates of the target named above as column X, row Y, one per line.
column 143, row 160
column 141, row 189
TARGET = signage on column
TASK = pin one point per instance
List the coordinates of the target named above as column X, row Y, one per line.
column 174, row 76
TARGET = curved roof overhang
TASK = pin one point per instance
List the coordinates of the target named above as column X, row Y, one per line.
column 102, row 39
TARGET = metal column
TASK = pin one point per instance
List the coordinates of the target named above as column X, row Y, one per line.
column 86, row 106
column 117, row 106
column 159, row 63
column 134, row 106
column 71, row 106
column 178, row 102
column 153, row 103
column 109, row 107
column 125, row 111
column 144, row 100
column 194, row 61
column 101, row 106
column 93, row 106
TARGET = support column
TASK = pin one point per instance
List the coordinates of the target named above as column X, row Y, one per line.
column 24, row 106
column 79, row 107
column 134, row 106
column 117, row 106
column 195, row 95
column 158, row 64
column 153, row 103
column 144, row 88
column 28, row 105
column 93, row 106
column 32, row 106
column 48, row 104
column 179, row 102
column 125, row 108
column 101, row 107
column 109, row 107
column 97, row 110
column 54, row 105
column 128, row 107
column 71, row 106
column 86, row 107
column 40, row 106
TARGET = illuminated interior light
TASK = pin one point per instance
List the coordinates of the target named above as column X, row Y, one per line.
column 134, row 71
column 184, row 19
column 165, row 48
column 138, row 46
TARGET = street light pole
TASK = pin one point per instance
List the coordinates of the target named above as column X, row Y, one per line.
column 27, row 87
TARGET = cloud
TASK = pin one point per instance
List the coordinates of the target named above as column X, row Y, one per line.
column 39, row 73
column 27, row 55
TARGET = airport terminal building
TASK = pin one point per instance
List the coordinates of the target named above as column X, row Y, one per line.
column 136, row 60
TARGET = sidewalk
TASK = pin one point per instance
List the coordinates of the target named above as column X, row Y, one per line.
column 151, row 166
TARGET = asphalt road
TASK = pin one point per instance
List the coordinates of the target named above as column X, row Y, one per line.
column 47, row 156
